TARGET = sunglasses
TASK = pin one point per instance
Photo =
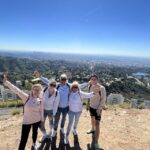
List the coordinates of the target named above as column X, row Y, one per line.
column 75, row 87
column 63, row 79
column 52, row 85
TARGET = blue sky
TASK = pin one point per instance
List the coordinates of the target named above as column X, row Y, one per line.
column 115, row 27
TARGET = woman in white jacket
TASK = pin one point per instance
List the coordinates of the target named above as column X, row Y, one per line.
column 51, row 102
column 75, row 107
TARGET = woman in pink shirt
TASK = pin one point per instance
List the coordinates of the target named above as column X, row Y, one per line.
column 33, row 111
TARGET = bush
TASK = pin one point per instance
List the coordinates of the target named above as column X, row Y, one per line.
column 15, row 112
column 125, row 105
column 84, row 103
column 115, row 106
column 3, row 104
column 11, row 104
column 141, row 106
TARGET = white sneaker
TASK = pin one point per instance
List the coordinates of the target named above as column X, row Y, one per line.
column 54, row 133
column 35, row 146
column 66, row 140
column 74, row 132
column 62, row 130
column 50, row 134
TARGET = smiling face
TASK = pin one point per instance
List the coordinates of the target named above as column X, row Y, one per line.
column 36, row 90
column 52, row 86
column 93, row 80
column 75, row 87
column 63, row 80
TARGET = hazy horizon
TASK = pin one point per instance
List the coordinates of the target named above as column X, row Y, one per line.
column 86, row 27
column 74, row 53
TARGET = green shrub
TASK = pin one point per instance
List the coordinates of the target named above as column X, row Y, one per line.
column 84, row 103
column 115, row 106
column 125, row 105
column 3, row 104
column 141, row 106
column 19, row 103
column 15, row 112
column 11, row 104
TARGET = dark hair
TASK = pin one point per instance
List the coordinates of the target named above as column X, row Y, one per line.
column 93, row 75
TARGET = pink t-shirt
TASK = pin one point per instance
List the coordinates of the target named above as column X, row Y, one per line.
column 33, row 109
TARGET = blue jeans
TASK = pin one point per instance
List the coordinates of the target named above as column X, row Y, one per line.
column 48, row 113
column 60, row 111
column 71, row 117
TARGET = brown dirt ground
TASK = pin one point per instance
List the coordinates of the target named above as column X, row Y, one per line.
column 121, row 129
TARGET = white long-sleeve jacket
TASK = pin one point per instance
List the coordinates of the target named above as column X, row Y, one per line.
column 52, row 102
column 75, row 100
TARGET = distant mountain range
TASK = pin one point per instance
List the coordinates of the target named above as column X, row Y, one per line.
column 115, row 60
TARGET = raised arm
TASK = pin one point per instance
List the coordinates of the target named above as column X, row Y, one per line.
column 43, row 79
column 24, row 96
column 42, row 110
column 83, row 85
column 86, row 95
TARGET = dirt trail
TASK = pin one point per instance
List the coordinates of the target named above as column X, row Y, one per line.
column 121, row 129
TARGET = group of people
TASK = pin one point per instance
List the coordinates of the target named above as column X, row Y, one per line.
column 55, row 100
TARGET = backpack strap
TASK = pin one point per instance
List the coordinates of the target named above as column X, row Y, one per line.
column 80, row 95
column 55, row 97
column 69, row 90
column 89, row 88
column 58, row 86
column 100, row 95
column 68, row 85
column 100, row 89
column 45, row 89
column 25, row 103
column 56, row 94
column 88, row 102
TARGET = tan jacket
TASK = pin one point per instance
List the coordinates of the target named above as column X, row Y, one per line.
column 99, row 99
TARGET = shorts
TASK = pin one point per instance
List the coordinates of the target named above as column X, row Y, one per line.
column 48, row 113
column 93, row 113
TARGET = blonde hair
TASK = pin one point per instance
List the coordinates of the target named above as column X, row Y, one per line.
column 37, row 85
column 75, row 83
column 53, row 81
column 63, row 76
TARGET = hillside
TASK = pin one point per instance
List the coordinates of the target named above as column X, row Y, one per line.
column 121, row 129
column 113, row 77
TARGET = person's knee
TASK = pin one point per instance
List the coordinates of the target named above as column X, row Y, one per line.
column 93, row 118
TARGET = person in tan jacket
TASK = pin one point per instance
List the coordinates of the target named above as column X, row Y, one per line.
column 96, row 104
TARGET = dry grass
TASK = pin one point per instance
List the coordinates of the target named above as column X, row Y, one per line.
column 121, row 129
column 11, row 104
